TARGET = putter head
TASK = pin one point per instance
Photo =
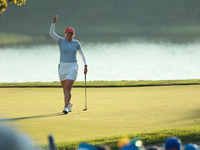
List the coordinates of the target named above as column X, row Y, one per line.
column 85, row 109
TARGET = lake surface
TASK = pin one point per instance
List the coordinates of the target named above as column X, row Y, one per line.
column 128, row 59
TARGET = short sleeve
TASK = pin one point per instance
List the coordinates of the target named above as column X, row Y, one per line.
column 78, row 45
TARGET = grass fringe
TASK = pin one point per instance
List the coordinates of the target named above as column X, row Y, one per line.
column 124, row 83
column 187, row 135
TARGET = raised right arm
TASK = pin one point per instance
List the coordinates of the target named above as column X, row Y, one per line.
column 52, row 30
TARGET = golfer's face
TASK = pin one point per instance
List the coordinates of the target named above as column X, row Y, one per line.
column 68, row 35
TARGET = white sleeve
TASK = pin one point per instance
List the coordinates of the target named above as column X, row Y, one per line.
column 53, row 34
column 82, row 56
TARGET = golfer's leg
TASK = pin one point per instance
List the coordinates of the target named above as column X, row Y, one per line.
column 68, row 87
column 63, row 85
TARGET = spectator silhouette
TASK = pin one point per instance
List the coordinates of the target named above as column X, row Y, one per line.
column 191, row 146
column 153, row 148
column 173, row 143
column 135, row 144
column 11, row 139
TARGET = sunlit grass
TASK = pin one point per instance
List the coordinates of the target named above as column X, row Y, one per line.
column 106, row 83
column 151, row 113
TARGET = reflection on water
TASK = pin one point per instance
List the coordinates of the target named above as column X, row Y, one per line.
column 127, row 59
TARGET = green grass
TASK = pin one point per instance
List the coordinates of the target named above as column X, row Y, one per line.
column 14, row 39
column 106, row 83
column 187, row 135
column 150, row 112
column 11, row 38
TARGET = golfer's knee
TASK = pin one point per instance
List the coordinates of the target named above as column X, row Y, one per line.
column 68, row 88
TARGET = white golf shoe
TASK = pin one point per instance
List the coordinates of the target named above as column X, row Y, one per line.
column 65, row 110
column 70, row 106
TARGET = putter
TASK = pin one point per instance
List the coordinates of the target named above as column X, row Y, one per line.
column 85, row 95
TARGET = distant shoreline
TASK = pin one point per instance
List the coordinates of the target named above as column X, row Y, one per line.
column 15, row 39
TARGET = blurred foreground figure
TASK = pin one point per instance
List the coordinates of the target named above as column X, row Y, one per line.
column 153, row 148
column 10, row 139
column 123, row 142
column 134, row 144
column 173, row 143
column 191, row 146
column 86, row 146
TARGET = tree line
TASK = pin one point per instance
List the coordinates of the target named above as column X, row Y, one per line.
column 109, row 16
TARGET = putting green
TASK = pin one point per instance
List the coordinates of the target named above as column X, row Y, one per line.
column 111, row 111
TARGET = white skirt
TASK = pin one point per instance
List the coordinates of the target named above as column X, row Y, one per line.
column 67, row 71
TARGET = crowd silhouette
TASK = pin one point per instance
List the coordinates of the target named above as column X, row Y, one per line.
column 11, row 139
column 172, row 143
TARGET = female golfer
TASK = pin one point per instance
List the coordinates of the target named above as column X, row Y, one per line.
column 68, row 67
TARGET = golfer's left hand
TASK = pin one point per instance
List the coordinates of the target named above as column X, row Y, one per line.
column 85, row 70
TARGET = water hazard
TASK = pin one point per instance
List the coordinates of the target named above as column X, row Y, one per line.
column 117, row 60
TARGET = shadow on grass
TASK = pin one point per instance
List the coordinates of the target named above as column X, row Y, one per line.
column 31, row 117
